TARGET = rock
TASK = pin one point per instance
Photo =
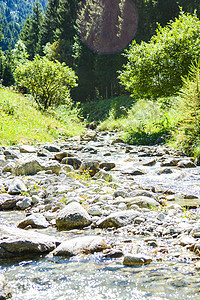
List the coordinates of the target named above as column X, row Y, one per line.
column 165, row 171
column 144, row 202
column 24, row 203
column 35, row 221
column 117, row 141
column 138, row 193
column 15, row 243
column 186, row 240
column 171, row 162
column 72, row 216
column 5, row 290
column 3, row 162
column 52, row 148
column 27, row 149
column 104, row 176
column 7, row 202
column 9, row 167
column 94, row 211
column 60, row 155
column 16, row 187
column 120, row 193
column 91, row 126
column 90, row 150
column 73, row 161
column 80, row 245
column 67, row 168
column 89, row 136
column 90, row 167
column 186, row 164
column 134, row 172
column 118, row 219
column 107, row 166
column 28, row 166
column 136, row 259
column 112, row 253
column 9, row 154
column 149, row 163
column 53, row 166
column 197, row 265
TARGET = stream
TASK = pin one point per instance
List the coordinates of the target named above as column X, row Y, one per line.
column 172, row 274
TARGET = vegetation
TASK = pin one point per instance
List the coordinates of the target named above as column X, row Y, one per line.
column 49, row 82
column 21, row 122
column 155, row 69
column 187, row 135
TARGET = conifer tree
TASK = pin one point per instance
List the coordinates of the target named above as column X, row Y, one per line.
column 49, row 24
column 31, row 30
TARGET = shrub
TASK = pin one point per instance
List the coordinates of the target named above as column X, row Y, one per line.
column 188, row 134
column 49, row 82
column 155, row 69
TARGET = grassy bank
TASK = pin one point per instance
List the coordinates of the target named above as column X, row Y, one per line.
column 142, row 122
column 21, row 122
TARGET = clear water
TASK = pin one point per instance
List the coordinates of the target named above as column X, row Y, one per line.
column 96, row 278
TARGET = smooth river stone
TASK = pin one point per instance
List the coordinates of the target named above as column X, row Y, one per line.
column 136, row 259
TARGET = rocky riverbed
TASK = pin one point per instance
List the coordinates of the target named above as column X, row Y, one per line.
column 99, row 203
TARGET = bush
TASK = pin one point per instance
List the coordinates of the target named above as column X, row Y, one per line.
column 155, row 69
column 49, row 82
column 187, row 136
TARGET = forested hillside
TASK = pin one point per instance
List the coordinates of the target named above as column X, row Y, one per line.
column 88, row 36
column 13, row 14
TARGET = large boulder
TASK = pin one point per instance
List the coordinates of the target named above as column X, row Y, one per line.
column 79, row 245
column 118, row 219
column 72, row 216
column 143, row 202
column 15, row 242
column 28, row 166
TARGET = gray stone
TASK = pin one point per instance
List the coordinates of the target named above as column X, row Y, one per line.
column 24, row 203
column 107, row 166
column 28, row 166
column 73, row 161
column 52, row 148
column 27, row 149
column 60, row 155
column 53, row 166
column 118, row 219
column 91, row 167
column 144, row 202
column 186, row 164
column 81, row 245
column 104, row 176
column 136, row 259
column 16, row 187
column 35, row 221
column 72, row 216
column 15, row 243
column 7, row 202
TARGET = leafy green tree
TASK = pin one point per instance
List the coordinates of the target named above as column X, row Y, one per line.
column 8, row 77
column 19, row 54
column 49, row 82
column 156, row 68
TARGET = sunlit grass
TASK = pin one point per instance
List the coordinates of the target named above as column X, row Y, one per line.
column 21, row 122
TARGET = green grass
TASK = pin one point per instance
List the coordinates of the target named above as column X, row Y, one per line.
column 21, row 122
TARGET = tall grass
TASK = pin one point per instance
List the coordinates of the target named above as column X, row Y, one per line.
column 21, row 122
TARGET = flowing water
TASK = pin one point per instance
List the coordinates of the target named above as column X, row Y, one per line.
column 95, row 277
